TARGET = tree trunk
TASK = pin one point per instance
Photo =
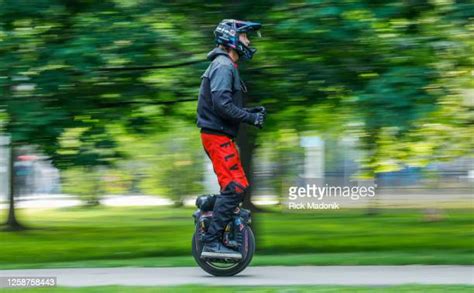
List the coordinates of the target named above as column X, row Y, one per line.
column 246, row 142
column 372, row 151
column 12, row 223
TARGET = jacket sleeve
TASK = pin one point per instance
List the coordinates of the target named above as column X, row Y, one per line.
column 221, row 79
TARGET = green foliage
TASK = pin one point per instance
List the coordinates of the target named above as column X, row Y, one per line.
column 85, row 182
column 164, row 163
column 175, row 167
column 91, row 183
column 382, row 72
column 3, row 120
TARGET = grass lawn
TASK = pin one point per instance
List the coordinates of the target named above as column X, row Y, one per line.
column 151, row 236
column 341, row 258
column 286, row 289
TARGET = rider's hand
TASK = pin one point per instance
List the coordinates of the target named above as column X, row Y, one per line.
column 258, row 109
column 259, row 119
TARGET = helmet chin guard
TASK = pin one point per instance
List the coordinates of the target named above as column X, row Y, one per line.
column 245, row 52
column 227, row 34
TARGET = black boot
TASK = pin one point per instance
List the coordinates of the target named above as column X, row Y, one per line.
column 216, row 249
column 224, row 207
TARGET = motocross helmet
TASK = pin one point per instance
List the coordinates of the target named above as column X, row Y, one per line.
column 228, row 31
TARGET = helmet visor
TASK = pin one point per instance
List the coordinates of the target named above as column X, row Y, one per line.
column 247, row 26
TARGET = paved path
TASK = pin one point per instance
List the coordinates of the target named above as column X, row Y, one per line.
column 270, row 275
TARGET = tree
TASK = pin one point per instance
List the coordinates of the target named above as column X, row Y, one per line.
column 49, row 79
column 382, row 67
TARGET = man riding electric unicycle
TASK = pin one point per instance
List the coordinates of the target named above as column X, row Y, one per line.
column 222, row 234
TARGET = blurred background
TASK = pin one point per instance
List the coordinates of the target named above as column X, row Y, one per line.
column 100, row 158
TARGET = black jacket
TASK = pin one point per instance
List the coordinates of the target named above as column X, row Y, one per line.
column 220, row 97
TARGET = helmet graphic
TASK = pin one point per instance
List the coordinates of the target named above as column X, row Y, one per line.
column 228, row 31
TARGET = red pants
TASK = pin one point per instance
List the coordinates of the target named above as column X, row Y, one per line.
column 226, row 162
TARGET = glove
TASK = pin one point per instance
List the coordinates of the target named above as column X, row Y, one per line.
column 259, row 119
column 257, row 109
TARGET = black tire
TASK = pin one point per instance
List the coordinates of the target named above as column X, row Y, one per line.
column 232, row 269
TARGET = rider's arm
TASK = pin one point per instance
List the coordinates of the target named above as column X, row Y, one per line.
column 221, row 80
